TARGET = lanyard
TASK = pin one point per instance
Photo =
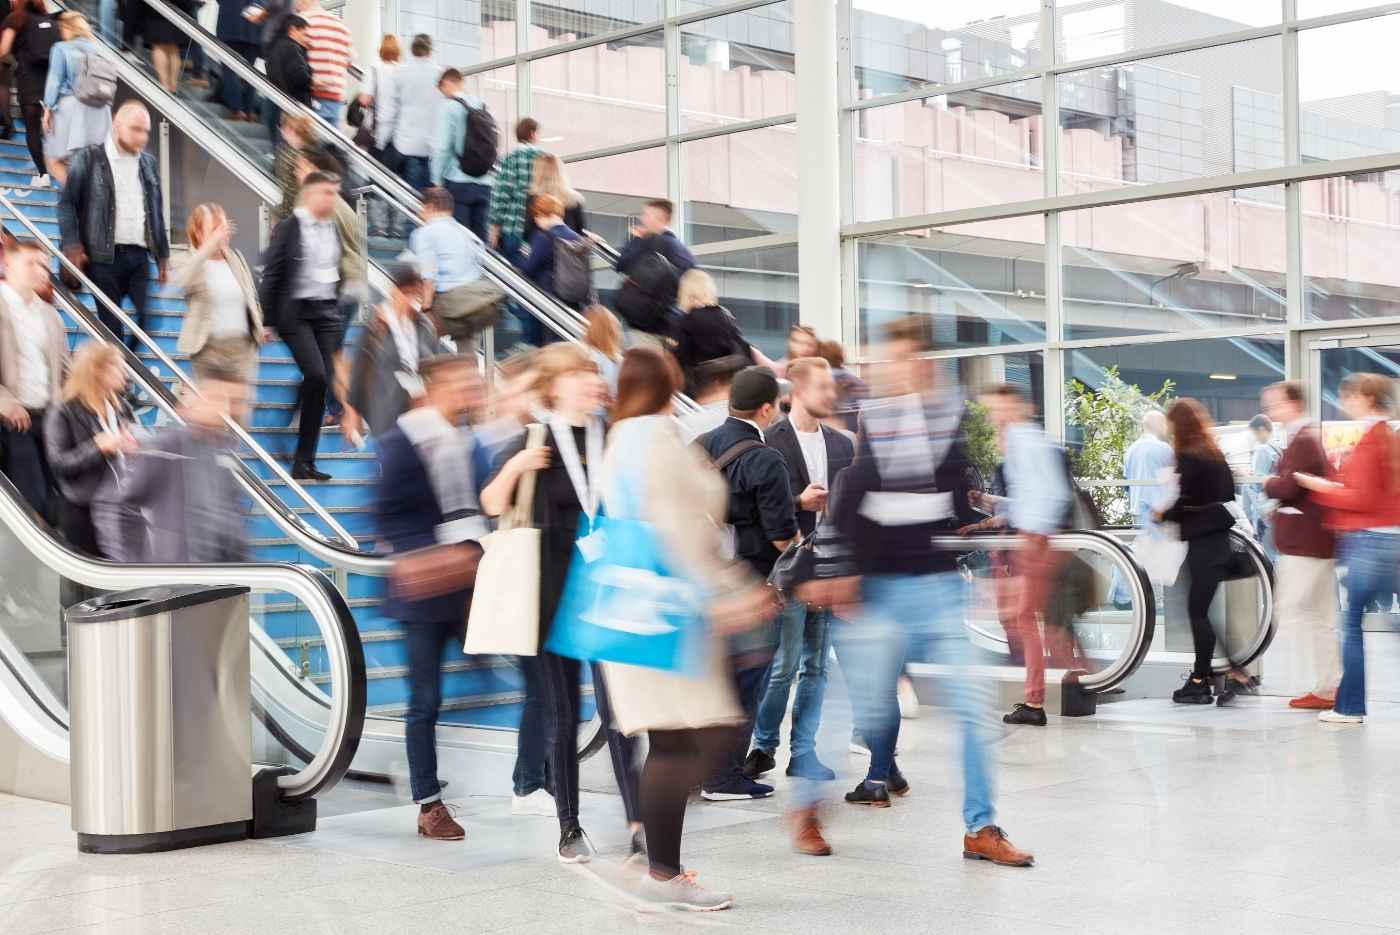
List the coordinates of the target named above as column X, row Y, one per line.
column 585, row 487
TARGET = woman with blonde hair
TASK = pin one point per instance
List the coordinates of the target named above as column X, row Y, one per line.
column 549, row 178
column 69, row 124
column 223, row 325
column 87, row 437
column 706, row 330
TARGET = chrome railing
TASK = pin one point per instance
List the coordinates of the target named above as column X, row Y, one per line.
column 344, row 652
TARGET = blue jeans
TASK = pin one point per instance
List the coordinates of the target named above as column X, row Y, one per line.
column 328, row 109
column 805, row 640
column 1370, row 559
column 426, row 642
column 470, row 201
column 416, row 172
column 532, row 741
column 927, row 610
column 531, row 328
column 238, row 94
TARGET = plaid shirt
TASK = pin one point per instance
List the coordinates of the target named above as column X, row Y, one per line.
column 512, row 190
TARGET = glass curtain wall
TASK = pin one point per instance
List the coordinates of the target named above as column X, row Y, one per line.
column 689, row 100
column 1147, row 198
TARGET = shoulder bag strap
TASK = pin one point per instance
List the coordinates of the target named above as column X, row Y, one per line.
column 522, row 516
column 733, row 453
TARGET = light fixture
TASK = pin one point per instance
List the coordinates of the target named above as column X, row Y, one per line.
column 1223, row 376
column 919, row 284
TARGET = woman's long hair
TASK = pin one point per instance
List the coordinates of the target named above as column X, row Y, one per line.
column 85, row 377
column 1191, row 435
column 1380, row 392
column 604, row 332
column 74, row 26
column 549, row 178
column 554, row 361
column 646, row 382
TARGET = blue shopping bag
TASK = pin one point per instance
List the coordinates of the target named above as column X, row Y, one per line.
column 622, row 603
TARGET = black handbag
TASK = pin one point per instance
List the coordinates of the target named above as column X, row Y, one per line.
column 1240, row 564
column 796, row 566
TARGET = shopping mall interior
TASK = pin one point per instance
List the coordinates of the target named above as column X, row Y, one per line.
column 1108, row 205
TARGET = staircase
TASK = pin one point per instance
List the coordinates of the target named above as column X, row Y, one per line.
column 478, row 691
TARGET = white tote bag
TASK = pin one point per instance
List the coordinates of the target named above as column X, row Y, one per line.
column 505, row 610
column 1160, row 551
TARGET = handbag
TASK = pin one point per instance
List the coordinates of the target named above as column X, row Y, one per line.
column 1160, row 552
column 504, row 617
column 434, row 571
column 623, row 603
column 469, row 309
column 796, row 566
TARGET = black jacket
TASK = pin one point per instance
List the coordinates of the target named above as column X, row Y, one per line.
column 77, row 465
column 87, row 206
column 1206, row 486
column 839, row 453
column 281, row 270
column 667, row 244
column 705, row 334
column 289, row 70
column 762, row 509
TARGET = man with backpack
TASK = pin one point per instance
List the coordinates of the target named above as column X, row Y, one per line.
column 464, row 153
column 559, row 258
column 651, row 265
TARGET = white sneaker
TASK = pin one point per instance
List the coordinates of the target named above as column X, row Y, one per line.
column 1332, row 717
column 908, row 699
column 40, row 181
column 539, row 803
column 682, row 891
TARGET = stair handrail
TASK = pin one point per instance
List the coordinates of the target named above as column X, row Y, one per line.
column 162, row 393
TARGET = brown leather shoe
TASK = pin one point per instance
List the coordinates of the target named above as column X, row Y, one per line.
column 807, row 833
column 437, row 823
column 992, row 844
column 1311, row 702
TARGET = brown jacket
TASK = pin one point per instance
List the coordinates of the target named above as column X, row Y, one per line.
column 57, row 343
column 1302, row 533
column 189, row 279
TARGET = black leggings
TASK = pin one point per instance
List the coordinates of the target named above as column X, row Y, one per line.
column 678, row 761
column 1206, row 559
column 31, row 103
column 561, row 675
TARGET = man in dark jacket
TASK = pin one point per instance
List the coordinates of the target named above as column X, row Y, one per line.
column 289, row 70
column 654, row 235
column 240, row 34
column 299, row 293
column 1307, row 567
column 110, row 217
column 907, row 486
column 763, row 517
column 431, row 472
column 651, row 265
column 814, row 454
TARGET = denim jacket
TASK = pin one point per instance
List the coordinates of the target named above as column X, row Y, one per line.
column 65, row 61
column 90, row 195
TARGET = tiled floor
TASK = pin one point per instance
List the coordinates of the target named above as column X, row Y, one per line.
column 1144, row 819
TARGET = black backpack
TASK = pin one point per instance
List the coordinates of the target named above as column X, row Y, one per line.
column 478, row 142
column 39, row 36
column 573, row 271
column 648, row 292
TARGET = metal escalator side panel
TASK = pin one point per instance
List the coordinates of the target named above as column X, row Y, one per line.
column 1264, row 576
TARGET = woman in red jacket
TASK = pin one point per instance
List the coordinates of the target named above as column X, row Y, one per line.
column 1364, row 508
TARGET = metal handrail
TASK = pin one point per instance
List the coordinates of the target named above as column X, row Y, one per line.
column 305, row 535
column 326, row 604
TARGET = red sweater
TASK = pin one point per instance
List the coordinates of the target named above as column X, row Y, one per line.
column 1369, row 496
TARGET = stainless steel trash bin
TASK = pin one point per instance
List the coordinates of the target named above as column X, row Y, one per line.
column 161, row 741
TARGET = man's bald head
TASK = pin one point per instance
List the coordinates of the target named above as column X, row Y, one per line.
column 131, row 126
column 1155, row 424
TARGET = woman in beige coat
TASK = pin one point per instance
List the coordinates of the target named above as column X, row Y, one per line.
column 648, row 474
column 223, row 326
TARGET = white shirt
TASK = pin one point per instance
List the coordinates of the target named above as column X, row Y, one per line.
column 30, row 325
column 320, row 245
column 814, row 453
column 761, row 437
column 130, row 201
column 405, row 340
column 228, row 311
column 710, row 416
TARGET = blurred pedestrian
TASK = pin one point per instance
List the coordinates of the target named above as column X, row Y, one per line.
column 567, row 493
column 72, row 122
column 88, row 437
column 1206, row 486
column 602, row 336
column 235, row 30
column 690, row 722
column 851, row 390
column 407, row 115
column 802, row 341
column 288, row 68
column 449, row 257
column 652, row 264
column 295, row 140
column 29, row 33
column 330, row 52
column 162, row 36
column 33, row 361
column 705, row 330
column 549, row 240
column 183, row 477
column 713, row 380
column 878, row 559
column 1363, row 506
column 549, row 178
column 1305, row 582
column 762, row 513
column 465, row 140
column 427, row 503
column 1263, row 458
column 506, row 214
column 385, row 376
column 223, row 322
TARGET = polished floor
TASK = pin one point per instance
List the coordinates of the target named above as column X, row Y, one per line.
column 1144, row 819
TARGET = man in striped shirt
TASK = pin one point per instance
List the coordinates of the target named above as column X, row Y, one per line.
column 329, row 51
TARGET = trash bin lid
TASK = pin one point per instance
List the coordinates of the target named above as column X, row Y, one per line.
column 148, row 602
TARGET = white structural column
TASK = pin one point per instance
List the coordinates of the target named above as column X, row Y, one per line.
column 366, row 24
column 819, row 172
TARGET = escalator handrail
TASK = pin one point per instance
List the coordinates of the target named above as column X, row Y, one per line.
column 1134, row 577
column 327, row 606
column 151, row 345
